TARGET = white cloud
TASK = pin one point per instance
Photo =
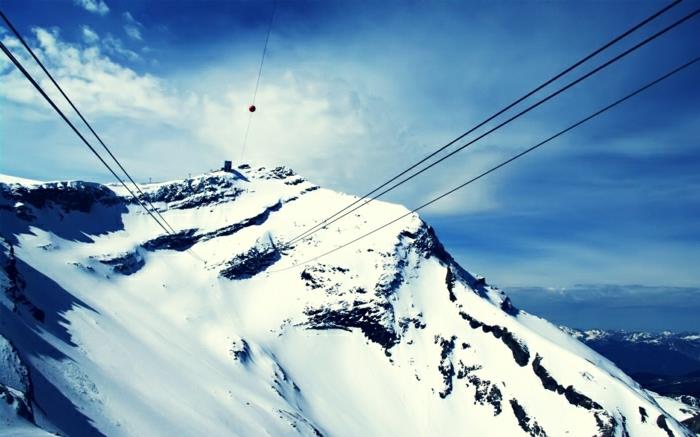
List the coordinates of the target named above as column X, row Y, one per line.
column 472, row 199
column 132, row 27
column 95, row 6
column 114, row 46
column 97, row 84
column 130, row 18
column 89, row 35
column 133, row 32
column 328, row 129
column 477, row 197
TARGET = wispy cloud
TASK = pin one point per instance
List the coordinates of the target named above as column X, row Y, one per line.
column 89, row 35
column 114, row 46
column 99, row 85
column 95, row 6
column 132, row 27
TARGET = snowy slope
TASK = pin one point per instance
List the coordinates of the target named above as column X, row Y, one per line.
column 124, row 330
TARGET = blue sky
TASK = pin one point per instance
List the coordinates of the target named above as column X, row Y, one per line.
column 353, row 91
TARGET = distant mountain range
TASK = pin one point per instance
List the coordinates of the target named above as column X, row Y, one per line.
column 667, row 363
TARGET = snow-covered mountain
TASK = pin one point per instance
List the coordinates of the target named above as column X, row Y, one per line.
column 111, row 326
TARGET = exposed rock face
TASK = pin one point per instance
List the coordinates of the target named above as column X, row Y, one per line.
column 447, row 369
column 15, row 288
column 643, row 414
column 185, row 239
column 125, row 264
column 570, row 393
column 67, row 196
column 693, row 424
column 15, row 387
column 661, row 421
column 74, row 210
column 179, row 241
column 241, row 350
column 528, row 425
column 521, row 355
column 368, row 318
column 13, row 372
column 195, row 193
column 255, row 260
column 15, row 401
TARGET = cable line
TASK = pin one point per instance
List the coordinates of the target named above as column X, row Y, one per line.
column 611, row 61
column 502, row 164
column 63, row 116
column 501, row 111
column 252, row 108
column 31, row 52
column 610, row 43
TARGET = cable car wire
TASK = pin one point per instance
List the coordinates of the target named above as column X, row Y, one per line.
column 29, row 77
column 327, row 221
column 502, row 164
column 70, row 102
column 252, row 108
column 611, row 61
column 499, row 112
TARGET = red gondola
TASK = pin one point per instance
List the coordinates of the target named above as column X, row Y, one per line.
column 251, row 108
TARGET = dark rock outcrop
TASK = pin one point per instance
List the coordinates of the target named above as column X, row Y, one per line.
column 450, row 282
column 549, row 383
column 256, row 220
column 68, row 196
column 185, row 239
column 643, row 414
column 485, row 392
column 16, row 400
column 520, row 352
column 126, row 264
column 693, row 424
column 508, row 307
column 526, row 423
column 280, row 172
column 240, row 350
column 15, row 290
column 661, row 423
column 179, row 241
column 256, row 260
column 16, row 389
column 605, row 422
column 71, row 210
column 445, row 366
column 194, row 193
column 367, row 317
